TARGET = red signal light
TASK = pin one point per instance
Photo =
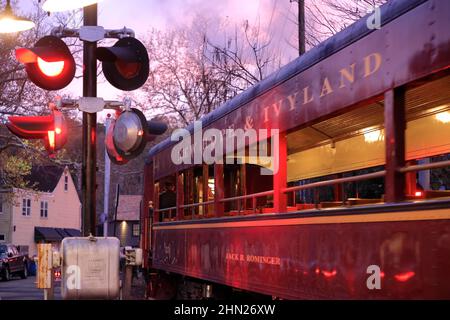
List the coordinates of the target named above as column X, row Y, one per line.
column 49, row 64
column 418, row 194
column 50, row 69
column 110, row 148
column 51, row 139
column 52, row 129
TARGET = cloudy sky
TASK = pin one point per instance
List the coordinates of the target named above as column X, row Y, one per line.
column 275, row 18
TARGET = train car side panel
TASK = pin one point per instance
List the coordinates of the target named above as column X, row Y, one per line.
column 301, row 258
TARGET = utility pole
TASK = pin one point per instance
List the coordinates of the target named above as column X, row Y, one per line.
column 89, row 127
column 301, row 26
column 107, row 181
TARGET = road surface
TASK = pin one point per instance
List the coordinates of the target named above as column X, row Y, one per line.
column 18, row 289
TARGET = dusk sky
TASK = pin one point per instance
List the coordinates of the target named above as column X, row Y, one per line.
column 275, row 18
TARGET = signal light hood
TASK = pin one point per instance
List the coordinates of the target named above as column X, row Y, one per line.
column 49, row 64
column 125, row 64
column 48, row 48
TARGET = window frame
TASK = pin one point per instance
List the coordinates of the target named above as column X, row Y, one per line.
column 66, row 183
column 44, row 209
column 26, row 207
column 133, row 229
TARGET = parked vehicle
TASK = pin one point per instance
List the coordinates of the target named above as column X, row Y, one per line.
column 12, row 262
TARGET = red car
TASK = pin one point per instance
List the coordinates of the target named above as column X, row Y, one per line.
column 12, row 262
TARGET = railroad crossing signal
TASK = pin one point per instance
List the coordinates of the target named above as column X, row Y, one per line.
column 52, row 129
column 128, row 135
column 49, row 64
column 125, row 65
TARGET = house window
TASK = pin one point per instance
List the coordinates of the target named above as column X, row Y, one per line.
column 26, row 207
column 2, row 238
column 44, row 209
column 136, row 230
column 1, row 205
column 66, row 183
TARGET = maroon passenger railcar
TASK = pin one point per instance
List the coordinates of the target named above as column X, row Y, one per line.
column 358, row 202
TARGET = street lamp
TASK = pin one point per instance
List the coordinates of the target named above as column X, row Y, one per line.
column 66, row 5
column 10, row 23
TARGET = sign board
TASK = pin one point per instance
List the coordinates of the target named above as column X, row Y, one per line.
column 133, row 257
column 45, row 265
column 90, row 268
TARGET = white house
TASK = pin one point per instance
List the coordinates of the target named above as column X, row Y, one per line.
column 49, row 214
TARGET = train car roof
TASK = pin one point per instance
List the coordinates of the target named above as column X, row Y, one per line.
column 389, row 11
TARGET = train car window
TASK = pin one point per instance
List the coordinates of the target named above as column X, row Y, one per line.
column 198, row 192
column 246, row 178
column 165, row 191
column 427, row 139
column 348, row 145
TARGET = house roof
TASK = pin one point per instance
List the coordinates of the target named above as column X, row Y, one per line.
column 129, row 207
column 44, row 178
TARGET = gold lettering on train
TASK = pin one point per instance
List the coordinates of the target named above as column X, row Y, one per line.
column 306, row 97
column 349, row 75
column 266, row 114
column 291, row 100
column 326, row 88
column 277, row 107
column 376, row 58
column 250, row 258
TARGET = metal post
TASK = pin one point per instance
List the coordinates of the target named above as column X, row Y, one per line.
column 301, row 26
column 219, row 191
column 128, row 279
column 116, row 205
column 424, row 175
column 89, row 127
column 107, row 182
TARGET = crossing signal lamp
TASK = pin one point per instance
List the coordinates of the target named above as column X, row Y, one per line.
column 52, row 129
column 125, row 64
column 49, row 64
column 128, row 135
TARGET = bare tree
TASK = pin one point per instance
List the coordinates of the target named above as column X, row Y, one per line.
column 324, row 18
column 182, row 84
column 245, row 58
column 191, row 74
